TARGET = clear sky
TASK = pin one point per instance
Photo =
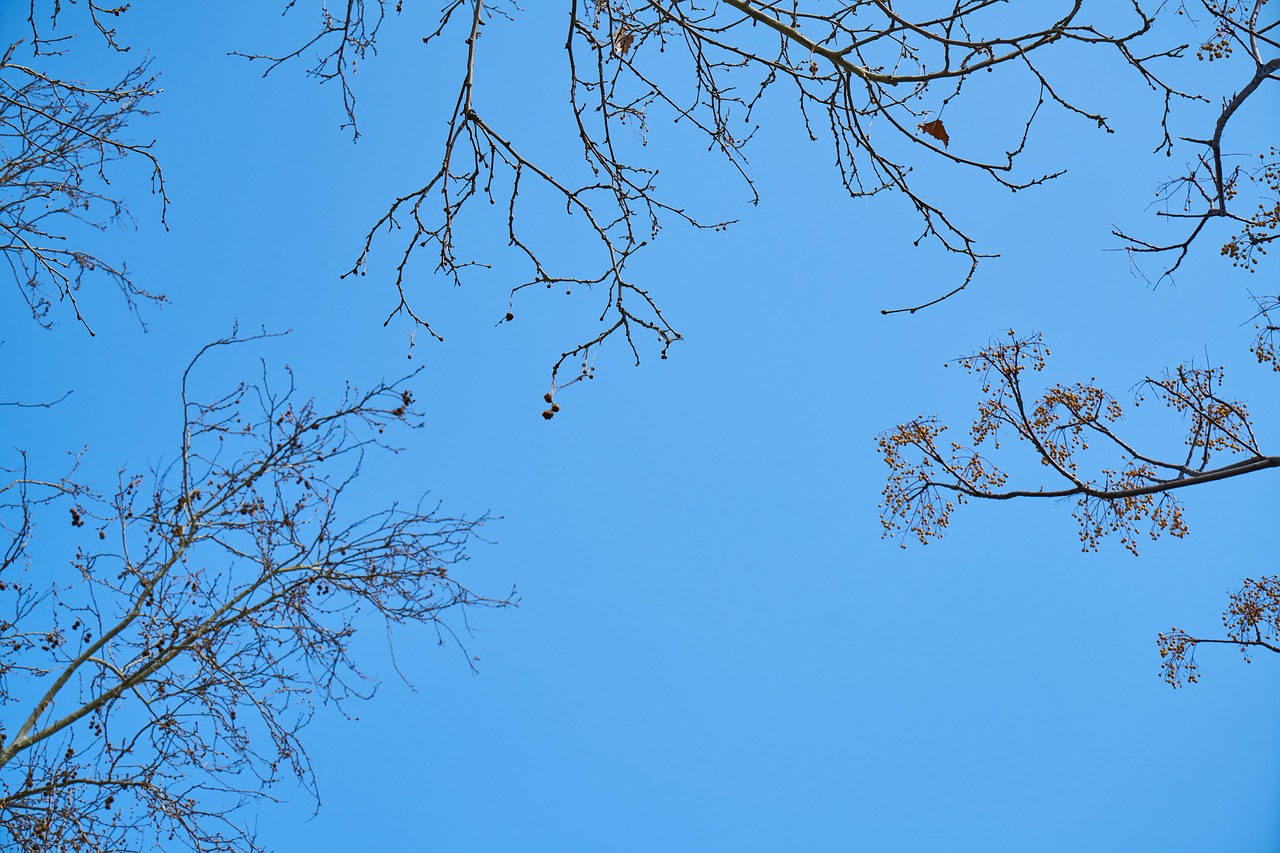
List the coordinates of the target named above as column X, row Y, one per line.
column 715, row 649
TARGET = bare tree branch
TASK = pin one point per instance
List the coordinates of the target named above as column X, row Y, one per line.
column 348, row 37
column 1212, row 189
column 57, row 140
column 166, row 683
column 872, row 80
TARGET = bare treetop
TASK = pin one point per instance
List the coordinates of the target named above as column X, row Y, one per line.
column 871, row 82
column 211, row 607
column 58, row 139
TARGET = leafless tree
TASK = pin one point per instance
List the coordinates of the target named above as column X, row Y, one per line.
column 871, row 80
column 58, row 139
column 205, row 612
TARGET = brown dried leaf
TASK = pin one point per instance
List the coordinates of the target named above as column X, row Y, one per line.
column 622, row 41
column 936, row 130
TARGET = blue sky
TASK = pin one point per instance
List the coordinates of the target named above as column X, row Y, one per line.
column 715, row 649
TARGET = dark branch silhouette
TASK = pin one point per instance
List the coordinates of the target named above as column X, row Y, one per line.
column 58, row 139
column 869, row 80
column 163, row 681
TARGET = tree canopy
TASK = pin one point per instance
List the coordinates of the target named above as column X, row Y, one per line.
column 212, row 601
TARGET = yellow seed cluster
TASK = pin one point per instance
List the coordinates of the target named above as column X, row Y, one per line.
column 1178, row 662
column 1219, row 45
column 1253, row 614
column 1214, row 423
column 1264, row 345
column 1246, row 248
column 1252, row 620
column 911, row 500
